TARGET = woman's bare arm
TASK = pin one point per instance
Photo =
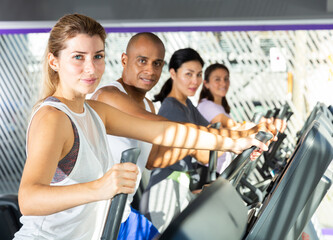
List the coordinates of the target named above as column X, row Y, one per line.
column 169, row 134
column 50, row 138
column 225, row 121
column 161, row 157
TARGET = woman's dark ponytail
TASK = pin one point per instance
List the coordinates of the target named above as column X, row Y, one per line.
column 165, row 90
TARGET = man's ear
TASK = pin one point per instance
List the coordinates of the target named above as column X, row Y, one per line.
column 53, row 62
column 124, row 59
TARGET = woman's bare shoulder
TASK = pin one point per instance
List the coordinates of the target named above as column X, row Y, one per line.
column 50, row 119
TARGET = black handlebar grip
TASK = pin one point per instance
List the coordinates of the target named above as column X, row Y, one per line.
column 242, row 159
column 211, row 176
column 288, row 115
column 269, row 113
column 256, row 117
column 276, row 112
column 116, row 210
column 283, row 111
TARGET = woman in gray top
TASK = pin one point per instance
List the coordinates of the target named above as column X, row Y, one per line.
column 168, row 191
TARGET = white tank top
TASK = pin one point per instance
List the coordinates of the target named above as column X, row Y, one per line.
column 119, row 144
column 93, row 160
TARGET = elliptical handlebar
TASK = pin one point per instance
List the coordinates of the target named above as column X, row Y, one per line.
column 116, row 210
column 269, row 113
column 211, row 176
column 283, row 111
column 256, row 117
column 242, row 159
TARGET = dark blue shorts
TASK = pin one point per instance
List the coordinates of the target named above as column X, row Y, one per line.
column 137, row 227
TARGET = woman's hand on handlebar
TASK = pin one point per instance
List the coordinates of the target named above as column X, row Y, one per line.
column 242, row 144
column 121, row 178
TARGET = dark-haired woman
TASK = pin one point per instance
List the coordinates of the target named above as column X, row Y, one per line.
column 168, row 191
